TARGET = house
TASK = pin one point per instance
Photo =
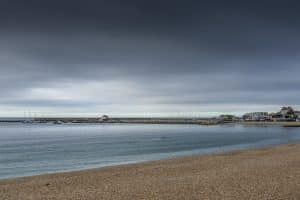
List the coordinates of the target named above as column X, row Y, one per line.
column 297, row 113
column 288, row 113
column 276, row 117
column 256, row 116
column 285, row 114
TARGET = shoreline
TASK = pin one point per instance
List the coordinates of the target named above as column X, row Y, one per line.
column 166, row 121
column 185, row 174
column 275, row 123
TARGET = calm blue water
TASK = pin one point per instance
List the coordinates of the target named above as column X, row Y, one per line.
column 30, row 149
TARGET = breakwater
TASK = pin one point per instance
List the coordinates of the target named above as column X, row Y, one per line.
column 203, row 121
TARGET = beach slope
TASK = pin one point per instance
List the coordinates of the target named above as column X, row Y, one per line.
column 269, row 173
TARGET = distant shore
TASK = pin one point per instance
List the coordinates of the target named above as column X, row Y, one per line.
column 279, row 123
column 195, row 121
column 267, row 173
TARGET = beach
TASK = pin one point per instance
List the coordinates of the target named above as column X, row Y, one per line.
column 266, row 173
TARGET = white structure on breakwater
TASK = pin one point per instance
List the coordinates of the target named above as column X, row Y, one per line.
column 104, row 118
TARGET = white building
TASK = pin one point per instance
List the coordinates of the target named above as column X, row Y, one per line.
column 256, row 116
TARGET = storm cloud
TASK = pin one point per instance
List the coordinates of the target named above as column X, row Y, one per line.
column 148, row 57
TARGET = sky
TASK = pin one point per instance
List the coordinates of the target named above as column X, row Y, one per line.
column 148, row 58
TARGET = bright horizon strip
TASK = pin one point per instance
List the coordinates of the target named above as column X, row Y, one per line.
column 231, row 109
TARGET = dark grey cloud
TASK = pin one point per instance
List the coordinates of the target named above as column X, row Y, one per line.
column 151, row 53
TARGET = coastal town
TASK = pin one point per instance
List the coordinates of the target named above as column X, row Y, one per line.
column 285, row 114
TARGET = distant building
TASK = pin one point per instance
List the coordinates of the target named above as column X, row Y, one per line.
column 285, row 114
column 228, row 118
column 297, row 113
column 256, row 116
column 286, row 111
column 276, row 117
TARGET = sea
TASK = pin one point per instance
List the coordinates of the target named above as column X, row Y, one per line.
column 33, row 149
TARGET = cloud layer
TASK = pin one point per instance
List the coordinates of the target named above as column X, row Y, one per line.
column 142, row 58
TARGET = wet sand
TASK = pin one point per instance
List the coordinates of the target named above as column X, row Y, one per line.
column 268, row 173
